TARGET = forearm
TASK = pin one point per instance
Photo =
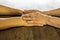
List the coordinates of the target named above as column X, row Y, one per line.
column 54, row 21
column 9, row 11
column 53, row 12
column 12, row 22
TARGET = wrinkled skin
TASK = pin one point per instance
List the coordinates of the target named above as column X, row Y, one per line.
column 36, row 18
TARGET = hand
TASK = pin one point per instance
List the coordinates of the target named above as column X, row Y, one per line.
column 37, row 19
column 21, row 22
column 14, row 21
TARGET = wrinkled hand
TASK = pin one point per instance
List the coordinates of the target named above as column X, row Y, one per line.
column 22, row 22
column 36, row 19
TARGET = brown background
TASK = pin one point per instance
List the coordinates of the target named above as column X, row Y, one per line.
column 31, row 33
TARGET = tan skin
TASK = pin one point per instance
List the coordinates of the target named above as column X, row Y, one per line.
column 7, row 11
column 39, row 20
column 25, row 20
column 43, row 19
column 55, row 12
column 10, row 11
column 54, row 21
column 35, row 19
column 14, row 22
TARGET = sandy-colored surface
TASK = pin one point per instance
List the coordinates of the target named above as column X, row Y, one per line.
column 30, row 33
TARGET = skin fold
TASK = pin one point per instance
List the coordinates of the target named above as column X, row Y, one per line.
column 35, row 17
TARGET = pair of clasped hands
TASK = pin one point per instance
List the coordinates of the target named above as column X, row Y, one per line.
column 27, row 18
column 34, row 19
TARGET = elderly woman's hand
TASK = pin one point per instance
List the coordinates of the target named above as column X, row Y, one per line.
column 35, row 18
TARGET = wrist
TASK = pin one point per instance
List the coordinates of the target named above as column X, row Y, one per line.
column 46, row 19
column 51, row 20
column 17, row 21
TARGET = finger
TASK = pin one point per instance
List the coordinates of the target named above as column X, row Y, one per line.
column 30, row 22
column 27, row 19
column 33, row 25
column 26, row 15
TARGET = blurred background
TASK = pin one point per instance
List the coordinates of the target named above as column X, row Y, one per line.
column 43, row 5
